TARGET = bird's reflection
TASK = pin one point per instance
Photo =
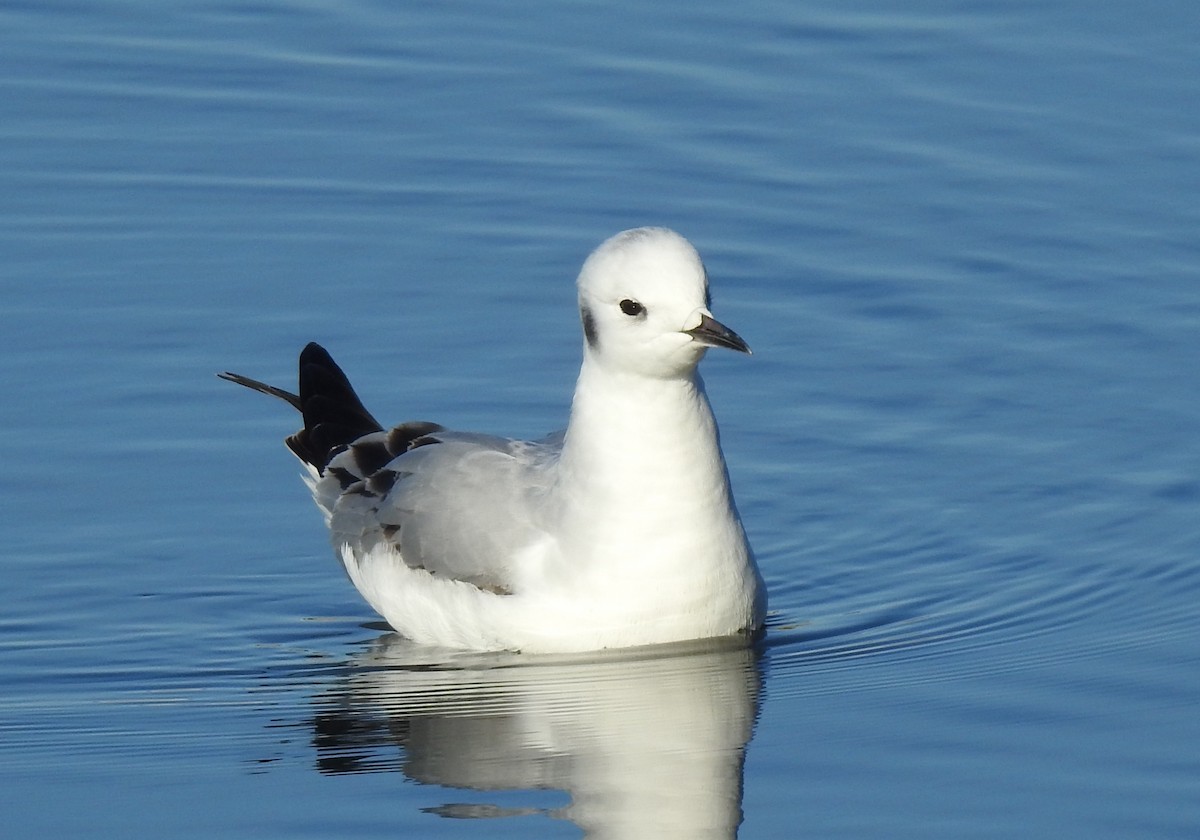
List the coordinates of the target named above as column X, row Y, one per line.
column 647, row 743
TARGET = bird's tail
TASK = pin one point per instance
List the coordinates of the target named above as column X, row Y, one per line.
column 334, row 416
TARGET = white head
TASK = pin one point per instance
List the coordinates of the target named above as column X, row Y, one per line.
column 644, row 303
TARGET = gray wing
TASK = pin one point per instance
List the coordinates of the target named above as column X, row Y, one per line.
column 455, row 504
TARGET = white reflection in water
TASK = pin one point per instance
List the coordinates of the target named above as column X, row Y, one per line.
column 646, row 743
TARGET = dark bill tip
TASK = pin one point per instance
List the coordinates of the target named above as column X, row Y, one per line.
column 712, row 333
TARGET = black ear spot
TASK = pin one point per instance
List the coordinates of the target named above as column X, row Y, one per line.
column 632, row 308
column 589, row 327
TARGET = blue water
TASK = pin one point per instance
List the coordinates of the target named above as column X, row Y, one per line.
column 961, row 238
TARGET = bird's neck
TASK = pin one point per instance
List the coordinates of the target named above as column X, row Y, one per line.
column 643, row 495
column 637, row 440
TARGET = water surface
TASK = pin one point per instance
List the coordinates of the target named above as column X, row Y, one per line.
column 961, row 240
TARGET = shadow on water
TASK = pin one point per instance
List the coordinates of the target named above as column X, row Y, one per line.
column 653, row 742
column 644, row 743
column 648, row 742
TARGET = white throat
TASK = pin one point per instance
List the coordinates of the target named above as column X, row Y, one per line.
column 645, row 455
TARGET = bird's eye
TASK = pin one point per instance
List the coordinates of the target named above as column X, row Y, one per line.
column 632, row 307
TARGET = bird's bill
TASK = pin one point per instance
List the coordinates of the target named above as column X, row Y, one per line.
column 712, row 333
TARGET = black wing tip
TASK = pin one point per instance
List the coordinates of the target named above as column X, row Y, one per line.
column 261, row 387
column 334, row 416
column 315, row 354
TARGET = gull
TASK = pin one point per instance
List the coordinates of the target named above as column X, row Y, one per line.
column 620, row 531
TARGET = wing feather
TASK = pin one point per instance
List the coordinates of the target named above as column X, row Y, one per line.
column 454, row 504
